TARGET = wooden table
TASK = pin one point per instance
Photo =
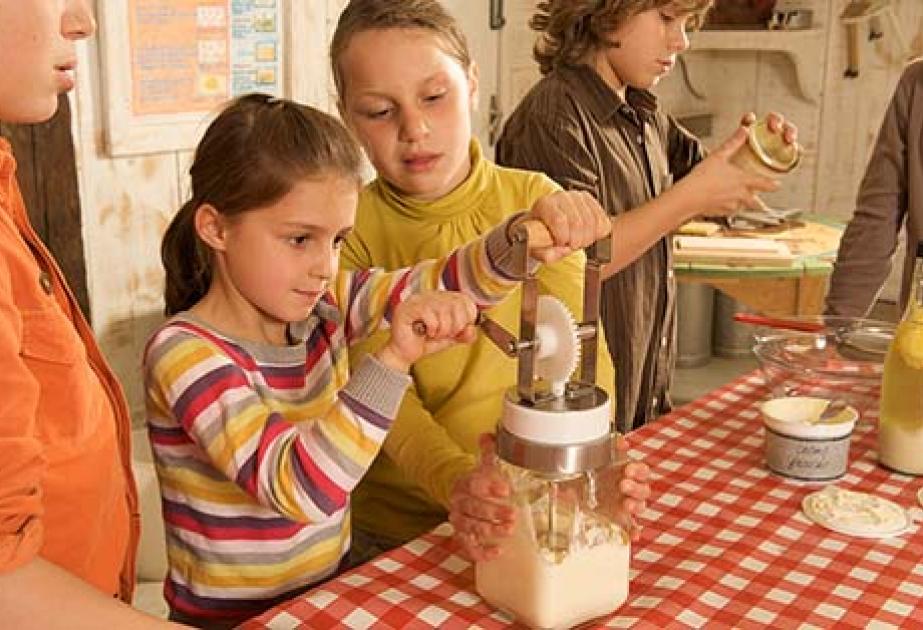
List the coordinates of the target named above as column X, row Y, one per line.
column 725, row 545
column 798, row 290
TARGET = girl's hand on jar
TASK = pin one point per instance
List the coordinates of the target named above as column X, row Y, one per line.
column 480, row 509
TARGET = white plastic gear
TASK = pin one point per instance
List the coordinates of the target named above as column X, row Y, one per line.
column 558, row 344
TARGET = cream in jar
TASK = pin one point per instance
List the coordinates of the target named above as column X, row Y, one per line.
column 577, row 574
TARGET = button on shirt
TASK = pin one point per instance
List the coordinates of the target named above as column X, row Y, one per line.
column 576, row 129
column 44, row 280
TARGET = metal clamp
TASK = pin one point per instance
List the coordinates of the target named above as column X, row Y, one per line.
column 497, row 17
column 554, row 459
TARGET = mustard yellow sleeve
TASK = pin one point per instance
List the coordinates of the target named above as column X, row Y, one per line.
column 424, row 451
column 421, row 448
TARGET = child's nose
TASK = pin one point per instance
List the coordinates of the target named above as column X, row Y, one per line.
column 680, row 40
column 326, row 265
column 78, row 21
column 414, row 125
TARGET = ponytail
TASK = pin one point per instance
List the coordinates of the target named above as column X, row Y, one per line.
column 254, row 152
column 186, row 261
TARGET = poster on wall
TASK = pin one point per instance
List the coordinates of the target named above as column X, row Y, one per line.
column 170, row 64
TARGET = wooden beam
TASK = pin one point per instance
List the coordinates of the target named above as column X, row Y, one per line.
column 47, row 174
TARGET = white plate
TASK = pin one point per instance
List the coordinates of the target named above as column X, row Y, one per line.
column 856, row 513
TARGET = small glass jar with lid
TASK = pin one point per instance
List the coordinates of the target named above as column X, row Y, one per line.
column 766, row 153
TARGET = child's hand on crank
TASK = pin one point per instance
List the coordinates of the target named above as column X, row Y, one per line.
column 574, row 220
column 480, row 510
column 426, row 323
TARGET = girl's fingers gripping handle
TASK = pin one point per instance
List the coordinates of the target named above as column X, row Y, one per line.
column 535, row 232
column 420, row 329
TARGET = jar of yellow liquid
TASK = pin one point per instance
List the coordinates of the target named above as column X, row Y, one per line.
column 900, row 432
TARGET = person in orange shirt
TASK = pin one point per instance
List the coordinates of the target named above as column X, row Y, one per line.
column 68, row 509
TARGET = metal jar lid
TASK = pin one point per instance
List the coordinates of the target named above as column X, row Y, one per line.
column 771, row 149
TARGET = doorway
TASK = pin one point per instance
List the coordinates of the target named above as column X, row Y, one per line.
column 501, row 42
column 474, row 18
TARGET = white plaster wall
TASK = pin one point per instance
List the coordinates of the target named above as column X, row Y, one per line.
column 127, row 202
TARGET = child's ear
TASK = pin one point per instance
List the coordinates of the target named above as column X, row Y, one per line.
column 210, row 226
column 474, row 74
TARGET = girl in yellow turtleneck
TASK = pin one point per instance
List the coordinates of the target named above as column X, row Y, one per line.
column 407, row 86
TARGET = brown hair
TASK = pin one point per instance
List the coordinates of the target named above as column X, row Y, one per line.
column 569, row 29
column 367, row 15
column 253, row 154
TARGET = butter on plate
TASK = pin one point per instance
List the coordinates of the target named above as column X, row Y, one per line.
column 698, row 228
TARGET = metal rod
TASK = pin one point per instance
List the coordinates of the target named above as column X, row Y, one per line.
column 586, row 331
column 552, row 509
column 592, row 283
column 527, row 353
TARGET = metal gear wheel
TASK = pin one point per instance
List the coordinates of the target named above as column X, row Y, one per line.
column 558, row 344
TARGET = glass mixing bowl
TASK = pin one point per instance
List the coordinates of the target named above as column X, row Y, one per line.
column 841, row 361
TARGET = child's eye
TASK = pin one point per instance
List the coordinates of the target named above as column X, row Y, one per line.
column 434, row 97
column 299, row 241
column 667, row 17
column 377, row 114
column 338, row 242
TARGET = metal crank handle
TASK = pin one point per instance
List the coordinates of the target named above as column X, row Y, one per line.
column 532, row 231
column 502, row 338
column 419, row 326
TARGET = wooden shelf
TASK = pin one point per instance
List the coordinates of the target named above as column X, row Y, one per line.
column 803, row 47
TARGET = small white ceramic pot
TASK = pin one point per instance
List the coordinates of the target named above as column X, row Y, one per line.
column 799, row 447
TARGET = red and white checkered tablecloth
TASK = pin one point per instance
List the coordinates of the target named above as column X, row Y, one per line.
column 725, row 545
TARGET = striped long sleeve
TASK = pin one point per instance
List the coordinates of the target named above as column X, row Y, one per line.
column 249, row 416
column 257, row 447
column 483, row 269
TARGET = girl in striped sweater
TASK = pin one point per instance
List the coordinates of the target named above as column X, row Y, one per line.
column 259, row 430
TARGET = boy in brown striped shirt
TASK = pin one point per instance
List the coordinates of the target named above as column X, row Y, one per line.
column 591, row 124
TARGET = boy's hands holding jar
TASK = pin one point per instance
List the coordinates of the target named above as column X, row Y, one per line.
column 776, row 123
column 729, row 180
column 482, row 513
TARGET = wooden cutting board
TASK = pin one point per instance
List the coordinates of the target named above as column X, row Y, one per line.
column 732, row 251
column 803, row 238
